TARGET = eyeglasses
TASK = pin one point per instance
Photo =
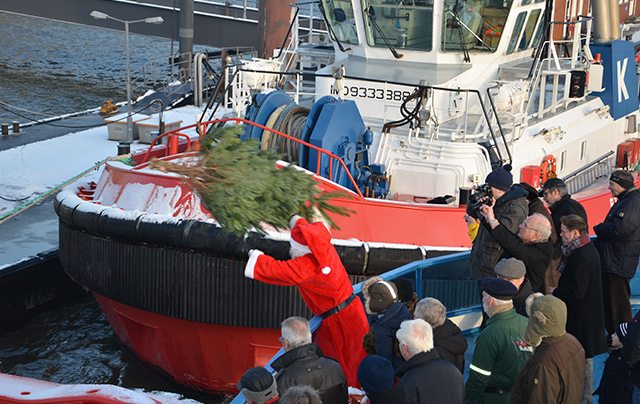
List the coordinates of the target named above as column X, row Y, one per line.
column 524, row 224
column 282, row 340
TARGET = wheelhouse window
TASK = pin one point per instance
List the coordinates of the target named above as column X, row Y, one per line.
column 473, row 26
column 399, row 24
column 342, row 24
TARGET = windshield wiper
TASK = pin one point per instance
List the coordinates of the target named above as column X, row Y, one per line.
column 384, row 38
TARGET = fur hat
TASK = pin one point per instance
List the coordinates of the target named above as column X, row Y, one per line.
column 510, row 268
column 375, row 374
column 378, row 295
column 622, row 178
column 258, row 385
column 547, row 318
column 312, row 238
column 501, row 178
column 499, row 288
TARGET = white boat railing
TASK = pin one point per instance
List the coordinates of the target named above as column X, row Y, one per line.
column 555, row 71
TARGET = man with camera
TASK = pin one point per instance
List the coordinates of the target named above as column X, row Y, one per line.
column 510, row 208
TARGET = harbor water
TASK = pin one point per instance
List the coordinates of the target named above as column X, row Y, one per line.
column 50, row 68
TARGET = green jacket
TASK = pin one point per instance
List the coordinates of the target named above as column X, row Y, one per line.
column 499, row 356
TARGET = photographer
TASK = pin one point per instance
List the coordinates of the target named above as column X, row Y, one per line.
column 531, row 245
column 510, row 208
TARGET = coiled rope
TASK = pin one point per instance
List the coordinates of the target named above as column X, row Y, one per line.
column 290, row 120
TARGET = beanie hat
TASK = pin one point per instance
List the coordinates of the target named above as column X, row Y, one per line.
column 622, row 178
column 379, row 295
column 375, row 374
column 312, row 238
column 405, row 289
column 498, row 288
column 548, row 317
column 258, row 385
column 501, row 178
column 511, row 268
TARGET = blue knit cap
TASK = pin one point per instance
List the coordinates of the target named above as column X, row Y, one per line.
column 375, row 374
column 501, row 178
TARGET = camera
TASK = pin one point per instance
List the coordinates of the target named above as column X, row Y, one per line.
column 482, row 191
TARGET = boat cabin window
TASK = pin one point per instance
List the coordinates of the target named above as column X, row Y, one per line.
column 403, row 24
column 517, row 28
column 523, row 37
column 339, row 15
column 583, row 150
column 473, row 26
column 563, row 161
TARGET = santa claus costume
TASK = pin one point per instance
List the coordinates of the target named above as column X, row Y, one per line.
column 325, row 288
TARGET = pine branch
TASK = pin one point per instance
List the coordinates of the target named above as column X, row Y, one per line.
column 242, row 187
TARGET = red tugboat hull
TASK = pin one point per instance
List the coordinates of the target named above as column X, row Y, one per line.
column 206, row 357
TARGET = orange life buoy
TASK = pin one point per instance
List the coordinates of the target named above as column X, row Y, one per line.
column 548, row 168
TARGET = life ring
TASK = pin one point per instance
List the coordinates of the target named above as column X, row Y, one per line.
column 548, row 169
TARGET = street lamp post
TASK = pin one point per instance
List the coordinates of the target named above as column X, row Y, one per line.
column 151, row 20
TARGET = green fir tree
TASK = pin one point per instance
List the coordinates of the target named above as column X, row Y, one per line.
column 242, row 187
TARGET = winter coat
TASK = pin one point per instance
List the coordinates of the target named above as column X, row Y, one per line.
column 426, row 379
column 450, row 343
column 536, row 256
column 306, row 366
column 616, row 385
column 389, row 396
column 619, row 235
column 511, row 209
column 564, row 207
column 384, row 325
column 580, row 288
column 554, row 374
column 520, row 299
column 339, row 335
column 499, row 355
column 631, row 349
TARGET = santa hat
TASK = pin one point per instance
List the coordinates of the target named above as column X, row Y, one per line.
column 312, row 238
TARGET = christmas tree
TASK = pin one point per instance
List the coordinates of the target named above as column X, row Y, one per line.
column 242, row 187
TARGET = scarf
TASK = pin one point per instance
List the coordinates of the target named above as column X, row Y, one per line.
column 567, row 250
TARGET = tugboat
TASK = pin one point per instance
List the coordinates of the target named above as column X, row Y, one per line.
column 414, row 105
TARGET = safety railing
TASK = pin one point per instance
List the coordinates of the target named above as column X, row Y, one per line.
column 201, row 128
column 421, row 273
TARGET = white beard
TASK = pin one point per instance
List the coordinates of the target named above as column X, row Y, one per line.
column 297, row 252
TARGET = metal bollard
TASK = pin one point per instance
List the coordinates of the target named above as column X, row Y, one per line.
column 16, row 127
column 123, row 148
column 5, row 129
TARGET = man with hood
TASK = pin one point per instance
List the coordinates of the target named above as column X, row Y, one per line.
column 323, row 283
column 618, row 244
column 555, row 373
column 510, row 209
column 381, row 302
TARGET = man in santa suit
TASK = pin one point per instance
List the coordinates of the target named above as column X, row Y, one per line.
column 316, row 269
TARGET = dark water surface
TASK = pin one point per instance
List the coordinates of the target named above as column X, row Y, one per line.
column 56, row 68
column 74, row 343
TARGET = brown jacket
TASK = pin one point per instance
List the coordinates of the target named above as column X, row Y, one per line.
column 554, row 374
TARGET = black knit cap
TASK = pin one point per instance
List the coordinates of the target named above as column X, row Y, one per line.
column 499, row 288
column 501, row 178
column 622, row 178
column 405, row 289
